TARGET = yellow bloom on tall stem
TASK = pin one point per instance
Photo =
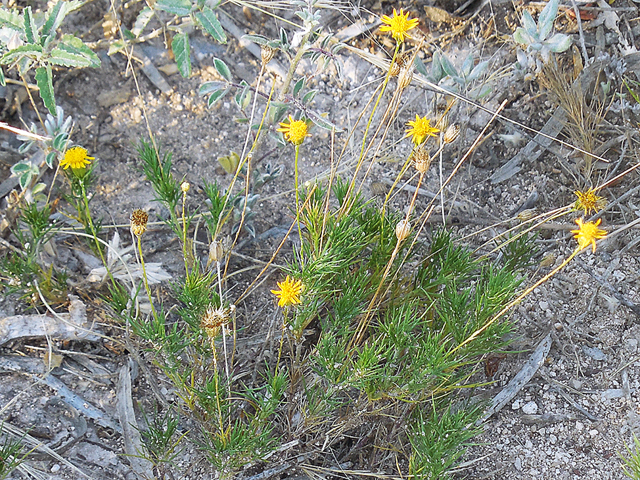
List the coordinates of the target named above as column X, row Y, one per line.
column 398, row 24
column 295, row 131
column 588, row 233
column 76, row 158
column 289, row 293
column 420, row 129
column 588, row 201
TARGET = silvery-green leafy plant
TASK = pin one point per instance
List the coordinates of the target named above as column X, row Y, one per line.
column 445, row 74
column 29, row 39
column 535, row 36
column 57, row 130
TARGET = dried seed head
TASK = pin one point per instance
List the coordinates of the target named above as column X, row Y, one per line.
column 394, row 69
column 267, row 53
column 213, row 319
column 451, row 133
column 403, row 228
column 139, row 219
column 405, row 76
column 185, row 186
column 216, row 252
column 528, row 214
column 421, row 160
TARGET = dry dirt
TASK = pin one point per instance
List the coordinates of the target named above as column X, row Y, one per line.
column 590, row 378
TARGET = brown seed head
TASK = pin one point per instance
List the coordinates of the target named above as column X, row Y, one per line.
column 216, row 252
column 405, row 76
column 394, row 69
column 528, row 214
column 139, row 219
column 451, row 133
column 403, row 228
column 267, row 53
column 213, row 319
column 421, row 160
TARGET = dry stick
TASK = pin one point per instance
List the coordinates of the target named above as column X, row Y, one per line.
column 513, row 303
column 635, row 308
column 579, row 20
column 546, row 217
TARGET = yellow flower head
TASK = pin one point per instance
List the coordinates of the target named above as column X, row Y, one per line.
column 289, row 293
column 588, row 233
column 76, row 158
column 588, row 201
column 398, row 24
column 421, row 129
column 295, row 131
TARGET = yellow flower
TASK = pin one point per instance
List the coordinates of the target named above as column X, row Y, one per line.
column 289, row 293
column 295, row 131
column 588, row 201
column 76, row 158
column 399, row 24
column 421, row 129
column 588, row 233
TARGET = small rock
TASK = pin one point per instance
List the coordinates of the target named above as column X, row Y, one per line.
column 575, row 383
column 594, row 353
column 518, row 464
column 631, row 345
column 544, row 306
column 516, row 405
column 579, row 426
column 612, row 393
column 55, row 468
column 593, row 432
column 530, row 408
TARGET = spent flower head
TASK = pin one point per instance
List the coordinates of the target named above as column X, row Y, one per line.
column 403, row 229
column 76, row 158
column 267, row 53
column 289, row 293
column 420, row 129
column 139, row 219
column 213, row 319
column 588, row 233
column 398, row 24
column 421, row 160
column 451, row 133
column 295, row 131
column 588, row 201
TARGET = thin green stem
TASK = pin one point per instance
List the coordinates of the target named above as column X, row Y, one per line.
column 144, row 278
column 284, row 325
column 366, row 130
column 184, row 233
column 87, row 213
column 298, row 201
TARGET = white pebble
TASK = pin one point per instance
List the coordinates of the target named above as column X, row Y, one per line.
column 530, row 408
